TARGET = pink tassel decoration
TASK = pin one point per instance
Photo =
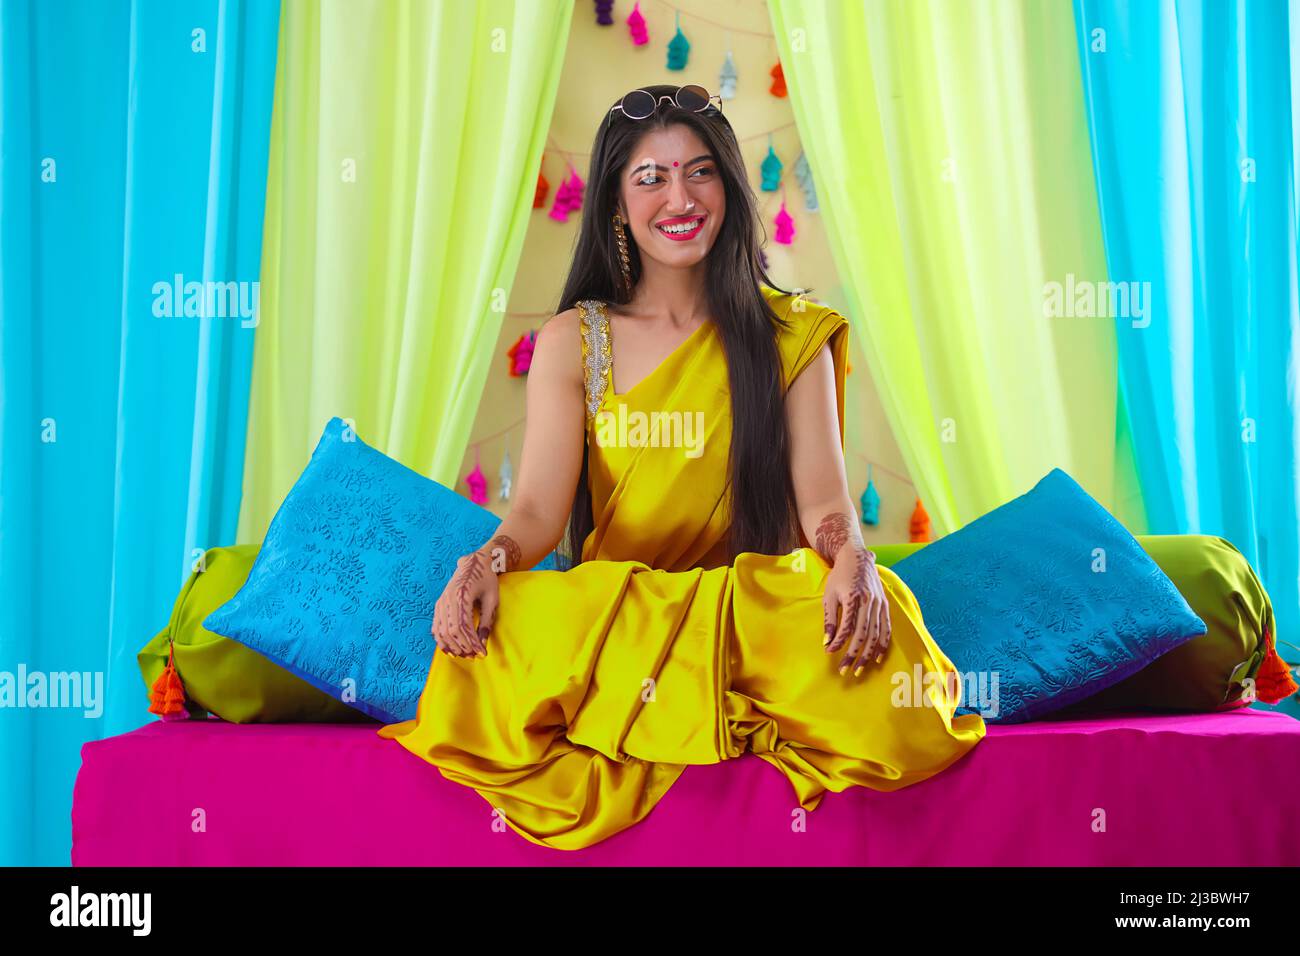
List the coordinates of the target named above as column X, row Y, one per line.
column 577, row 189
column 477, row 483
column 636, row 26
column 560, row 205
column 568, row 198
column 521, row 354
column 784, row 227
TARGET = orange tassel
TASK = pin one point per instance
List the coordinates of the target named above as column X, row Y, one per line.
column 1274, row 681
column 167, row 698
column 920, row 526
column 778, row 81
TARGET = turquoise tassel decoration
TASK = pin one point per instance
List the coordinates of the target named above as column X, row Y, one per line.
column 870, row 502
column 679, row 48
column 771, row 169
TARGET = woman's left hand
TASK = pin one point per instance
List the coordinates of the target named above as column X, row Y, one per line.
column 855, row 596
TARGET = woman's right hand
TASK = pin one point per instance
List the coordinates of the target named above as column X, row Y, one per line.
column 474, row 582
column 543, row 495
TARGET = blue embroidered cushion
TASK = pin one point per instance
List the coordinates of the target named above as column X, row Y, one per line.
column 343, row 588
column 1045, row 601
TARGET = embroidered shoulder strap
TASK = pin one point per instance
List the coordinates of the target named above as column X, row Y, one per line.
column 597, row 359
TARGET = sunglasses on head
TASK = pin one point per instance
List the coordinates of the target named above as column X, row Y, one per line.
column 640, row 104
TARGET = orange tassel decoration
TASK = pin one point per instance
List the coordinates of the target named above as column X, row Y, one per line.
column 539, row 194
column 1274, row 681
column 167, row 697
column 778, row 81
column 920, row 522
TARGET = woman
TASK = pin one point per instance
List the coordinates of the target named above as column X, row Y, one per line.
column 685, row 420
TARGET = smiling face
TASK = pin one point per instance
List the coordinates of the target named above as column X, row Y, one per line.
column 672, row 197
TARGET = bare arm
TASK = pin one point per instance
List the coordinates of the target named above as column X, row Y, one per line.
column 826, row 512
column 548, row 472
column 854, row 592
column 552, row 454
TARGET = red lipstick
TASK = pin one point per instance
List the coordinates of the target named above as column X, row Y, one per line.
column 680, row 234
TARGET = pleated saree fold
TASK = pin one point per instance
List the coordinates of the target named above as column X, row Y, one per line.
column 604, row 682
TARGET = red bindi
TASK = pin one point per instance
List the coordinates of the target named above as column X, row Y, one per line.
column 674, row 162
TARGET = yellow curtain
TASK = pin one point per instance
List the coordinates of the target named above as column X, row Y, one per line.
column 950, row 152
column 405, row 145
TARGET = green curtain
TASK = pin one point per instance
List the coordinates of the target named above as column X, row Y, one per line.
column 405, row 144
column 950, row 152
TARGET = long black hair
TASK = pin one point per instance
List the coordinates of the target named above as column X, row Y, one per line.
column 763, row 512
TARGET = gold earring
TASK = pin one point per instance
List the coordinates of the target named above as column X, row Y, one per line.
column 622, row 251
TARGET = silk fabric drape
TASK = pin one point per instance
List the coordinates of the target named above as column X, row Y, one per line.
column 949, row 147
column 133, row 137
column 1192, row 108
column 603, row 682
column 404, row 154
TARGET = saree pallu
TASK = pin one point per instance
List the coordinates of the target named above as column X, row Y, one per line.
column 604, row 682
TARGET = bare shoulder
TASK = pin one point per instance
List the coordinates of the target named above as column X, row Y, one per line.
column 562, row 323
column 558, row 348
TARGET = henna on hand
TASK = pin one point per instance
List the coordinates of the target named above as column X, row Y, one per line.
column 472, row 567
column 857, row 561
column 504, row 552
column 871, row 637
column 861, row 560
column 839, row 542
column 848, row 622
column 835, row 531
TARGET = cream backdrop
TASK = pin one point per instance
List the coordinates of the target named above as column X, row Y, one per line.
column 600, row 64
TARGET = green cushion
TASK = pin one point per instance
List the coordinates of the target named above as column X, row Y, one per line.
column 1209, row 671
column 225, row 677
column 891, row 554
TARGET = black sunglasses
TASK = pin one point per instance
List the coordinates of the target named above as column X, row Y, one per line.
column 640, row 104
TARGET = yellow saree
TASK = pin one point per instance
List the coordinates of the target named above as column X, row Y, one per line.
column 602, row 683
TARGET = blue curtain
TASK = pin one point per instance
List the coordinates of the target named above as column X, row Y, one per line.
column 1191, row 111
column 133, row 138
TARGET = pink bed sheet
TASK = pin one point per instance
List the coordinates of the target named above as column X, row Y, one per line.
column 1205, row 789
